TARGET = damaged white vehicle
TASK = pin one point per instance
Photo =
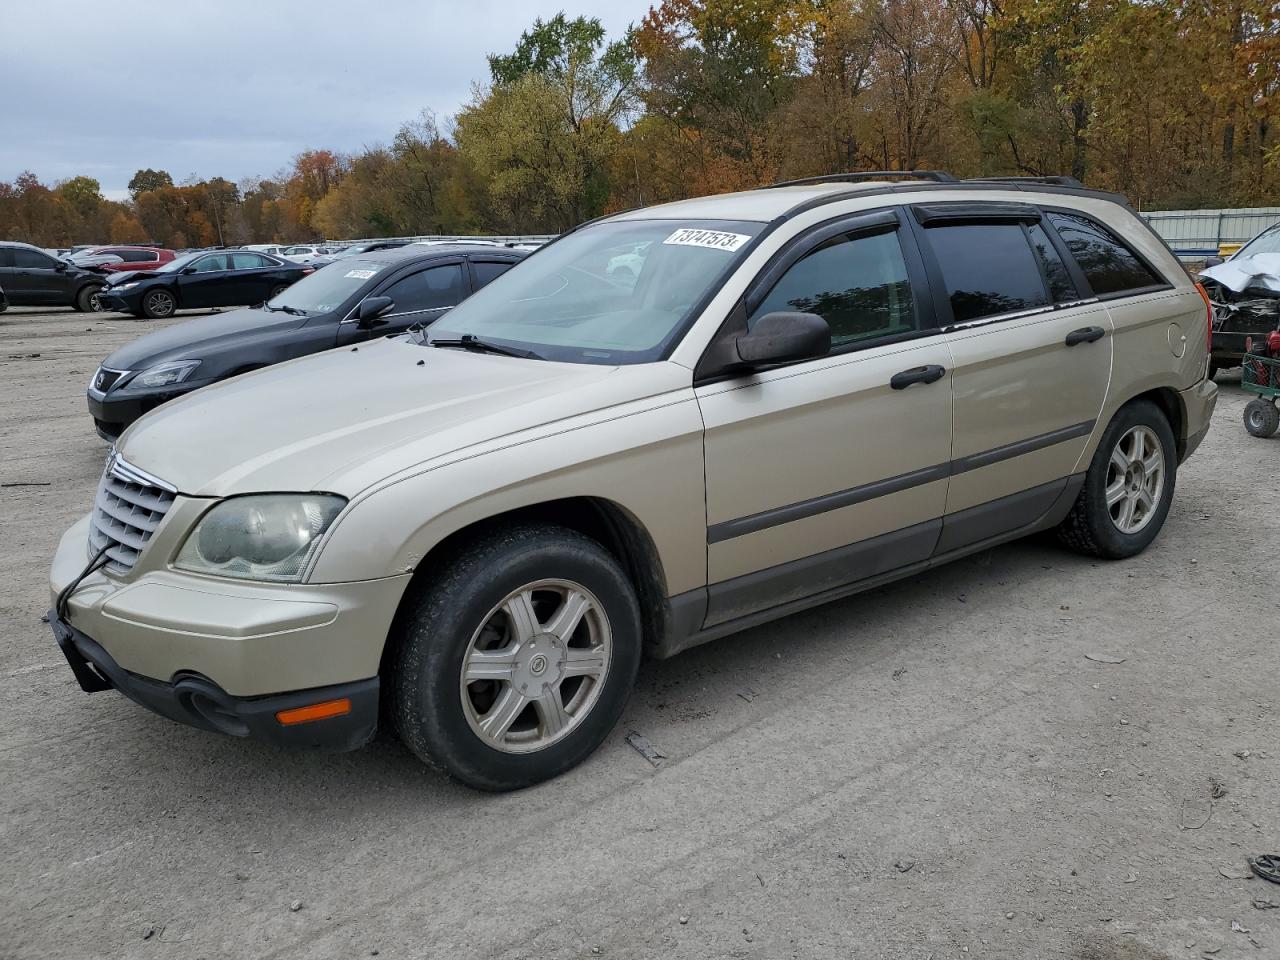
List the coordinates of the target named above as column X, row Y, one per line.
column 1245, row 293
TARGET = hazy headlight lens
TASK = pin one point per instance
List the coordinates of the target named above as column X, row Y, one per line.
column 163, row 374
column 261, row 537
column 126, row 286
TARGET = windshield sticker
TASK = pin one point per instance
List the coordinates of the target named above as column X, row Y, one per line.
column 715, row 239
column 361, row 274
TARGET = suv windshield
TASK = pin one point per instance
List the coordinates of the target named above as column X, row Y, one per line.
column 1266, row 242
column 328, row 287
column 612, row 293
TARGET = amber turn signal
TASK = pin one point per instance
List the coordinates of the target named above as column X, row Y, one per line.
column 314, row 711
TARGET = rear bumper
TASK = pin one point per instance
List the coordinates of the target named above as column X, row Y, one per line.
column 1199, row 403
column 199, row 702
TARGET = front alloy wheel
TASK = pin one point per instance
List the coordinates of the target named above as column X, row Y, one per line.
column 158, row 304
column 1135, row 479
column 536, row 666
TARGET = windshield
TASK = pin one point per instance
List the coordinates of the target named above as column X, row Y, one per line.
column 611, row 293
column 1266, row 242
column 328, row 287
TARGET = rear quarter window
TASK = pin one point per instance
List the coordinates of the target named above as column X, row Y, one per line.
column 988, row 269
column 1107, row 263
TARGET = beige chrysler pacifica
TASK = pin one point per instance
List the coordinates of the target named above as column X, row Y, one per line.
column 474, row 532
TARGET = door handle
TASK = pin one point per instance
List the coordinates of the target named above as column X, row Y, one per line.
column 1085, row 335
column 929, row 374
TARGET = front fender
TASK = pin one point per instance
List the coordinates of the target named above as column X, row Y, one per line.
column 646, row 458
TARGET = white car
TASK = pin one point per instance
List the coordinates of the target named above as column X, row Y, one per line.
column 275, row 249
column 305, row 254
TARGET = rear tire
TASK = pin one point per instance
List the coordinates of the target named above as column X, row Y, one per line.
column 86, row 299
column 276, row 291
column 553, row 684
column 159, row 304
column 1128, row 487
column 1261, row 418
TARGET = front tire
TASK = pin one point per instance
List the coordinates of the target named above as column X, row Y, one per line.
column 1261, row 418
column 159, row 304
column 515, row 660
column 1128, row 487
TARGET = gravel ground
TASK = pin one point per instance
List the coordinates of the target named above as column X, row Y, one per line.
column 934, row 769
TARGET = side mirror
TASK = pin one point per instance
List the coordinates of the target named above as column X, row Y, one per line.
column 1213, row 261
column 61, row 266
column 370, row 309
column 784, row 337
column 188, row 270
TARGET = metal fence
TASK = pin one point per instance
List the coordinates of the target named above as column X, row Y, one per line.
column 1196, row 234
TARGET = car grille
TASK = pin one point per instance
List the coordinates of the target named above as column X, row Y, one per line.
column 105, row 379
column 128, row 510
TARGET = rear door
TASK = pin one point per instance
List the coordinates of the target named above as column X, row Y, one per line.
column 419, row 297
column 1031, row 353
column 830, row 471
column 36, row 278
column 256, row 276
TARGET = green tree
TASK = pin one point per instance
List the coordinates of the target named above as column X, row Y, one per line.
column 147, row 180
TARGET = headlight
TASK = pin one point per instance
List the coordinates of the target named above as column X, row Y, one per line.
column 162, row 375
column 260, row 537
column 126, row 286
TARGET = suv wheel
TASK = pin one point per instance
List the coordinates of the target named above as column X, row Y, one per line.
column 158, row 304
column 87, row 298
column 1128, row 487
column 515, row 662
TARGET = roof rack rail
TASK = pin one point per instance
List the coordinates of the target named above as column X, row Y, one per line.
column 939, row 176
column 1051, row 181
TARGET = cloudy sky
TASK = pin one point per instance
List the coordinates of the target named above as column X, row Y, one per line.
column 235, row 88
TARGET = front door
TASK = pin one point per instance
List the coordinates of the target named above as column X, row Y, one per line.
column 1031, row 364
column 37, row 278
column 827, row 472
column 205, row 285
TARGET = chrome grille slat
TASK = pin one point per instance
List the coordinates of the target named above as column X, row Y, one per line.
column 126, row 512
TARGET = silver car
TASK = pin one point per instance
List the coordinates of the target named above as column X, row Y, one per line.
column 804, row 392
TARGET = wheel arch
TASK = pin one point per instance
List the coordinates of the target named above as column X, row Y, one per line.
column 605, row 521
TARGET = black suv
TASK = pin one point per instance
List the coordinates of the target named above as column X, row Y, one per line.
column 32, row 278
column 368, row 295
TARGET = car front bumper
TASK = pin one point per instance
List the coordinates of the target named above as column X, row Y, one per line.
column 116, row 409
column 198, row 702
column 115, row 301
column 161, row 636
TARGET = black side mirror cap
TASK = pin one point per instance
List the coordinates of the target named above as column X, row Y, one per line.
column 1213, row 261
column 784, row 337
column 370, row 309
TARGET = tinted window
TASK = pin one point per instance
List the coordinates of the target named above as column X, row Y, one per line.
column 31, row 259
column 1108, row 265
column 486, row 270
column 859, row 286
column 210, row 264
column 136, row 256
column 988, row 269
column 249, row 261
column 427, row 289
column 6, row 256
column 1055, row 271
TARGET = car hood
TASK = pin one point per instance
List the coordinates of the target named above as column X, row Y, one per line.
column 118, row 277
column 194, row 338
column 346, row 419
column 1261, row 271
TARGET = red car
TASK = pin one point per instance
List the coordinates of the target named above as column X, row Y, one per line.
column 120, row 259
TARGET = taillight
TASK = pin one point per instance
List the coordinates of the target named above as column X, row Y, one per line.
column 306, row 270
column 1208, row 316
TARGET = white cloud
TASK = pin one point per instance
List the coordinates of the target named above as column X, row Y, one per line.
column 235, row 88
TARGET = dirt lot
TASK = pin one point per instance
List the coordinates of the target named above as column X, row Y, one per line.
column 934, row 769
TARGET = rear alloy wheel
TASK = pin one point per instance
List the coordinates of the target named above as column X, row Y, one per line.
column 87, row 298
column 1128, row 487
column 514, row 662
column 276, row 291
column 158, row 304
column 1261, row 418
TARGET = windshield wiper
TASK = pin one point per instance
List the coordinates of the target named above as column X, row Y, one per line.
column 292, row 311
column 469, row 341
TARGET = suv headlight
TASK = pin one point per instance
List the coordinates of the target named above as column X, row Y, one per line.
column 261, row 536
column 162, row 375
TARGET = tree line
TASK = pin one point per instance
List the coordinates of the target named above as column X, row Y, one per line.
column 1174, row 103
